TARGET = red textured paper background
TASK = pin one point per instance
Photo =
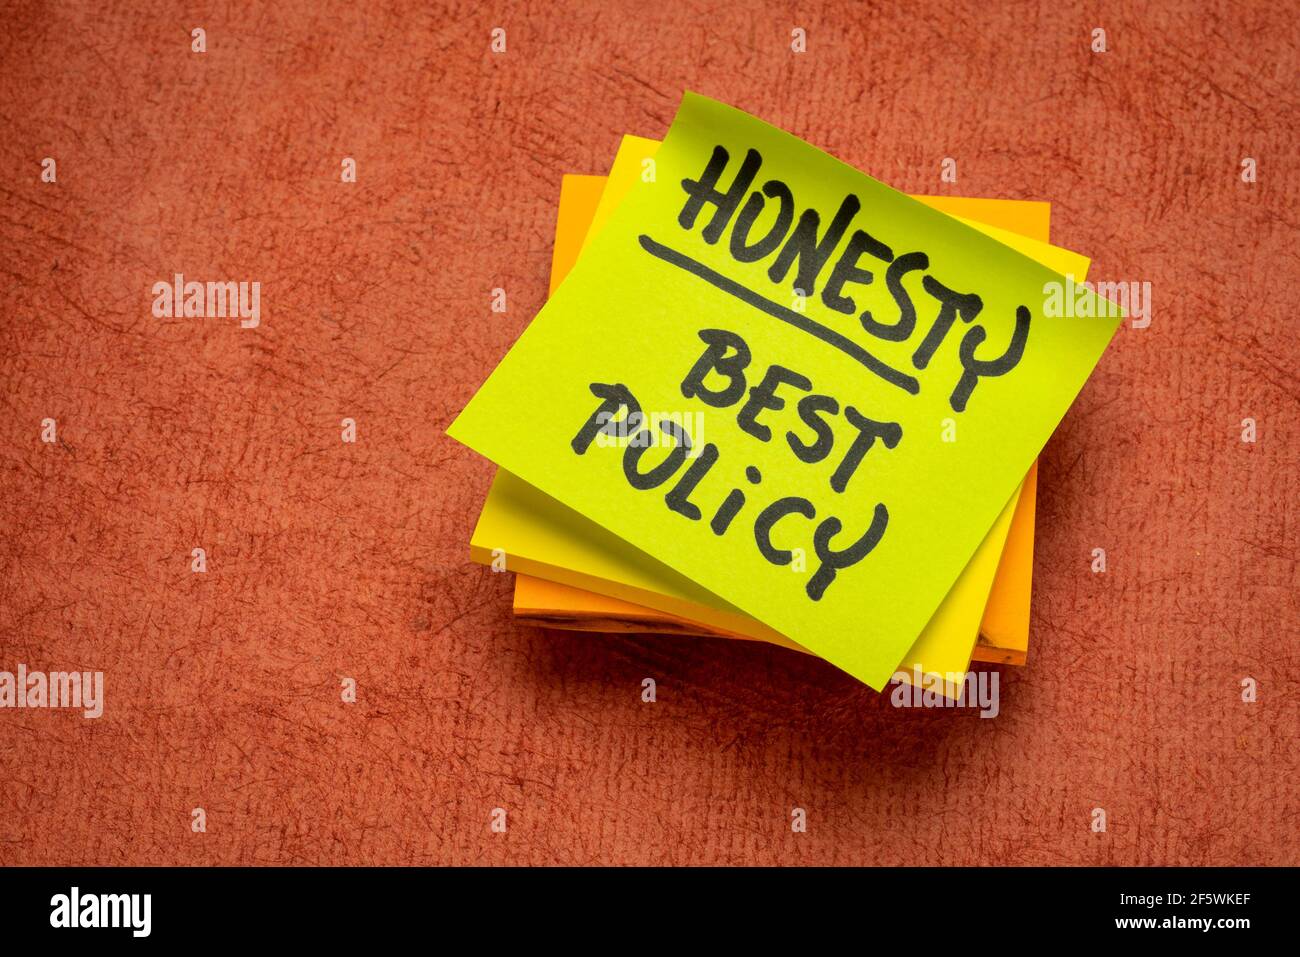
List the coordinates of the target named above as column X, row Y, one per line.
column 329, row 560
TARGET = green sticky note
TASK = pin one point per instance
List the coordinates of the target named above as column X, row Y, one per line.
column 806, row 391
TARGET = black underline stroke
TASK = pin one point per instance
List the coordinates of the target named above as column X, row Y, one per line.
column 827, row 335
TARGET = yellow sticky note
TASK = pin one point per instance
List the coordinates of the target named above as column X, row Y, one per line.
column 510, row 519
column 1003, row 632
column 633, row 163
column 808, row 394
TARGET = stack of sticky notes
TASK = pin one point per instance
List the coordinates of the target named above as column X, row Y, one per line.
column 772, row 398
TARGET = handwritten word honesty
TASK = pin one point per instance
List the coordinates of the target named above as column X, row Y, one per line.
column 800, row 252
column 812, row 252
